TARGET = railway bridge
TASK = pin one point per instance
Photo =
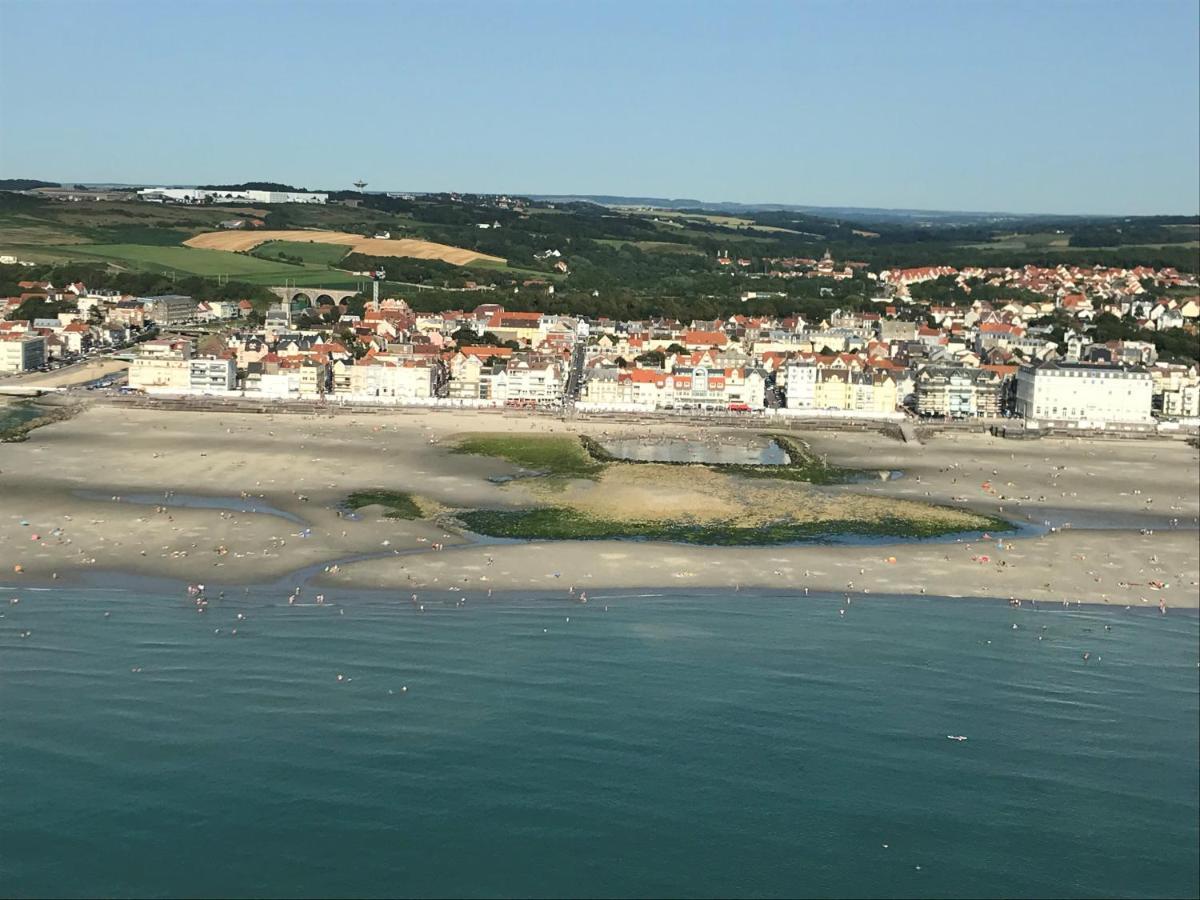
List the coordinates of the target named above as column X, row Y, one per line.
column 314, row 296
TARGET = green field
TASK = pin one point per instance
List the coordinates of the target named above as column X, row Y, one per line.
column 309, row 251
column 193, row 261
column 1060, row 241
column 1033, row 241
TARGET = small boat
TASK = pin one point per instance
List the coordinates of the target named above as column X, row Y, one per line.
column 957, row 737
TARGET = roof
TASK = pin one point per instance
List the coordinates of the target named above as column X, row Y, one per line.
column 710, row 338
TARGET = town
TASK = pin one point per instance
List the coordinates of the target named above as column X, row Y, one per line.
column 1040, row 357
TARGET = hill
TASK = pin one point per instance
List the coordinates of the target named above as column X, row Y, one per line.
column 600, row 260
column 24, row 184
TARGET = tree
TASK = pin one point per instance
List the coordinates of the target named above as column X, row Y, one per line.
column 40, row 308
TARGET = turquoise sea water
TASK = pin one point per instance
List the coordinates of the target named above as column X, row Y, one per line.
column 698, row 744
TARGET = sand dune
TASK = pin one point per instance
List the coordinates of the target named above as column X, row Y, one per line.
column 241, row 241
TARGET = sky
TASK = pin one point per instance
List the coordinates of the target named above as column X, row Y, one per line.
column 1057, row 107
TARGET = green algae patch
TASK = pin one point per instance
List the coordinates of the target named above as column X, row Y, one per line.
column 565, row 524
column 550, row 454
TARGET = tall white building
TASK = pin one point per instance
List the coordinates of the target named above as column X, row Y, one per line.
column 21, row 352
column 1079, row 395
column 801, row 386
column 211, row 375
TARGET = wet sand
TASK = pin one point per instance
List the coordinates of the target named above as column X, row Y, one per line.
column 306, row 465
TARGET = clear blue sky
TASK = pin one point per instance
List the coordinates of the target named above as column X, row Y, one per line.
column 1072, row 107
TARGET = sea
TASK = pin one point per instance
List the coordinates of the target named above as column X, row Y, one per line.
column 18, row 413
column 665, row 744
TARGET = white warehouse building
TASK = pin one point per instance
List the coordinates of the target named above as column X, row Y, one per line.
column 201, row 195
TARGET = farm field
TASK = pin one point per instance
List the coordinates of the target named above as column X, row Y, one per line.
column 149, row 258
column 310, row 252
column 714, row 219
column 1031, row 241
column 242, row 241
column 1062, row 242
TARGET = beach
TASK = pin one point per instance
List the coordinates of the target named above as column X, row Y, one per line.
column 234, row 498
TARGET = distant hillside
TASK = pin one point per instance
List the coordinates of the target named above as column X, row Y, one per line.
column 864, row 213
column 254, row 186
column 24, row 184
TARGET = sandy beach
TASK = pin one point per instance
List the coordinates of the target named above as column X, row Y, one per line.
column 94, row 494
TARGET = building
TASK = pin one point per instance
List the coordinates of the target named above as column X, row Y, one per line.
column 392, row 381
column 168, row 309
column 1079, row 395
column 207, row 195
column 21, row 352
column 897, row 330
column 958, row 392
column 1182, row 402
column 801, row 386
column 209, row 375
column 521, row 380
column 857, row 392
column 163, row 366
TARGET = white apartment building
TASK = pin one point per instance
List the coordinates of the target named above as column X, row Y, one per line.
column 21, row 352
column 1177, row 390
column 1182, row 402
column 209, row 375
column 801, row 381
column 958, row 392
column 1079, row 395
column 395, row 382
column 521, row 381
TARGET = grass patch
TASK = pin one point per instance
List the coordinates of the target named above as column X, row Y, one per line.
column 563, row 524
column 399, row 504
column 552, row 454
